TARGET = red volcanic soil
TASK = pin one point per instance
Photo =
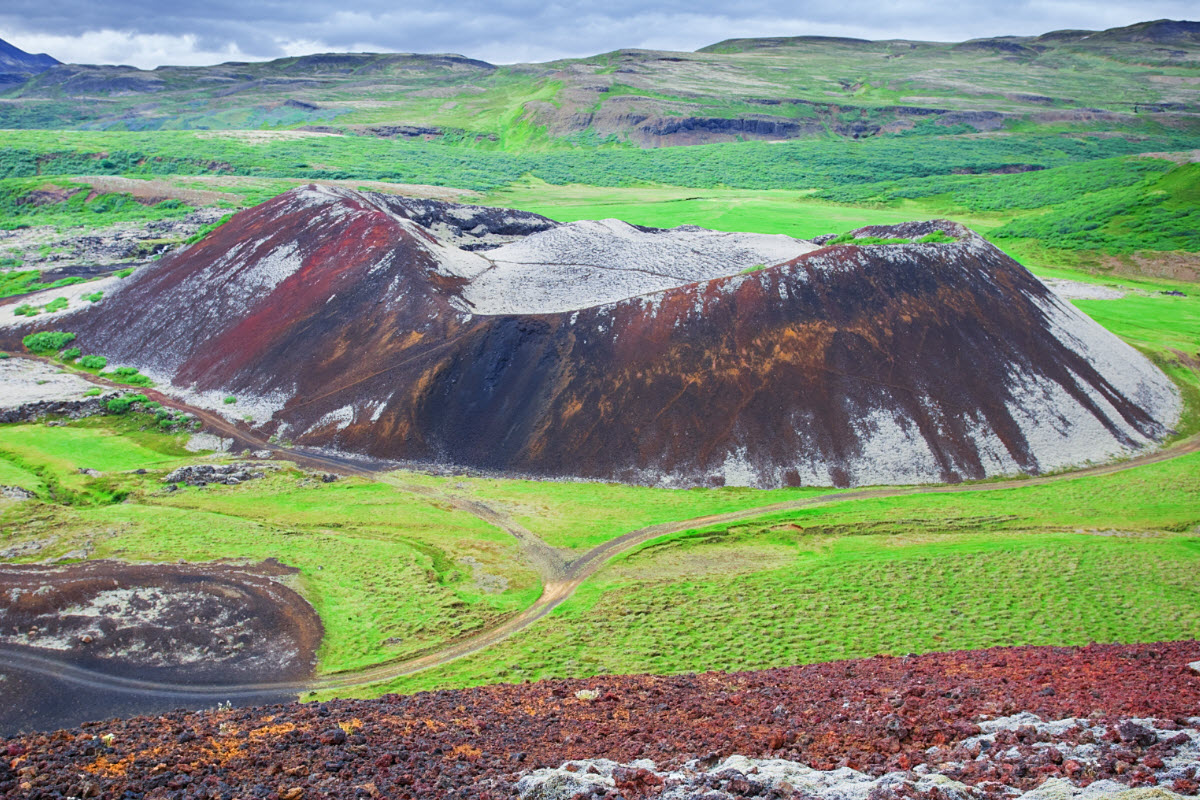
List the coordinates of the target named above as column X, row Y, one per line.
column 876, row 715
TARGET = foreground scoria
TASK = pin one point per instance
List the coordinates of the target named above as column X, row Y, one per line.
column 990, row 723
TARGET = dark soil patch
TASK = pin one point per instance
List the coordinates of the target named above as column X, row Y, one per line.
column 189, row 625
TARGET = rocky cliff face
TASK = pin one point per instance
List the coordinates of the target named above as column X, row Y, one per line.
column 497, row 339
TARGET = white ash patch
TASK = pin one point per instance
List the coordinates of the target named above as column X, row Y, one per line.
column 737, row 469
column 249, row 407
column 891, row 450
column 740, row 777
column 1060, row 431
column 74, row 296
column 590, row 263
column 24, row 380
column 1078, row 290
column 1125, row 368
column 200, row 442
column 339, row 418
column 994, row 456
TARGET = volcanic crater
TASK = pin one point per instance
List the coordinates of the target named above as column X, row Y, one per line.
column 426, row 331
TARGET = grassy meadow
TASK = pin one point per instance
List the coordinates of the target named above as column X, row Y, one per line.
column 394, row 574
column 1104, row 559
column 389, row 573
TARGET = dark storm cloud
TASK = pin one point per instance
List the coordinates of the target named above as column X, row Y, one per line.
column 144, row 31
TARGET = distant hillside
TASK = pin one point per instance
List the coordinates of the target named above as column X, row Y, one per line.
column 17, row 66
column 1139, row 79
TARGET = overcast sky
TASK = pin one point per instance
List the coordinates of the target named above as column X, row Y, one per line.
column 150, row 33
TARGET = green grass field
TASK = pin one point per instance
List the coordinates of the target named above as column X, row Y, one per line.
column 392, row 574
column 389, row 573
column 1106, row 559
column 577, row 516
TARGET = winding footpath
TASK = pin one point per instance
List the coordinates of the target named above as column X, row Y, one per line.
column 560, row 577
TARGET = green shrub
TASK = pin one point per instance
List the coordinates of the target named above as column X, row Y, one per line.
column 57, row 304
column 93, row 362
column 124, row 273
column 937, row 237
column 849, row 238
column 3, row 355
column 93, row 297
column 129, row 375
column 119, row 405
column 70, row 354
column 92, row 392
column 26, row 310
column 230, row 400
column 47, row 341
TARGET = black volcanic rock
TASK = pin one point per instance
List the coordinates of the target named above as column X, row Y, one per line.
column 17, row 66
column 605, row 351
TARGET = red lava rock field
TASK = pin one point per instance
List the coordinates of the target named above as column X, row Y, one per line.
column 1128, row 712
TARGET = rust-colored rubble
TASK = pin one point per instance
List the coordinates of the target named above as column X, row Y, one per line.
column 876, row 715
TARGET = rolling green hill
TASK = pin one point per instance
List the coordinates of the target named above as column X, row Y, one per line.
column 1138, row 79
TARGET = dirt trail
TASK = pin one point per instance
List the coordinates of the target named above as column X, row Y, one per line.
column 560, row 578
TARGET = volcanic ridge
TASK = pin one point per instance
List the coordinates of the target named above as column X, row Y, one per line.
column 426, row 331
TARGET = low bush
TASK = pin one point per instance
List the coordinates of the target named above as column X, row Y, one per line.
column 93, row 362
column 92, row 392
column 47, row 341
column 230, row 400
column 849, row 238
column 70, row 354
column 119, row 405
column 130, row 376
column 57, row 304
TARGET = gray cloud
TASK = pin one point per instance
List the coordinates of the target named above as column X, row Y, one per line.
column 149, row 33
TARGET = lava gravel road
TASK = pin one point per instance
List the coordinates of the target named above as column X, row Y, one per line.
column 878, row 715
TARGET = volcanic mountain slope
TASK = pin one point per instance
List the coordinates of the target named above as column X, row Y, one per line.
column 426, row 331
